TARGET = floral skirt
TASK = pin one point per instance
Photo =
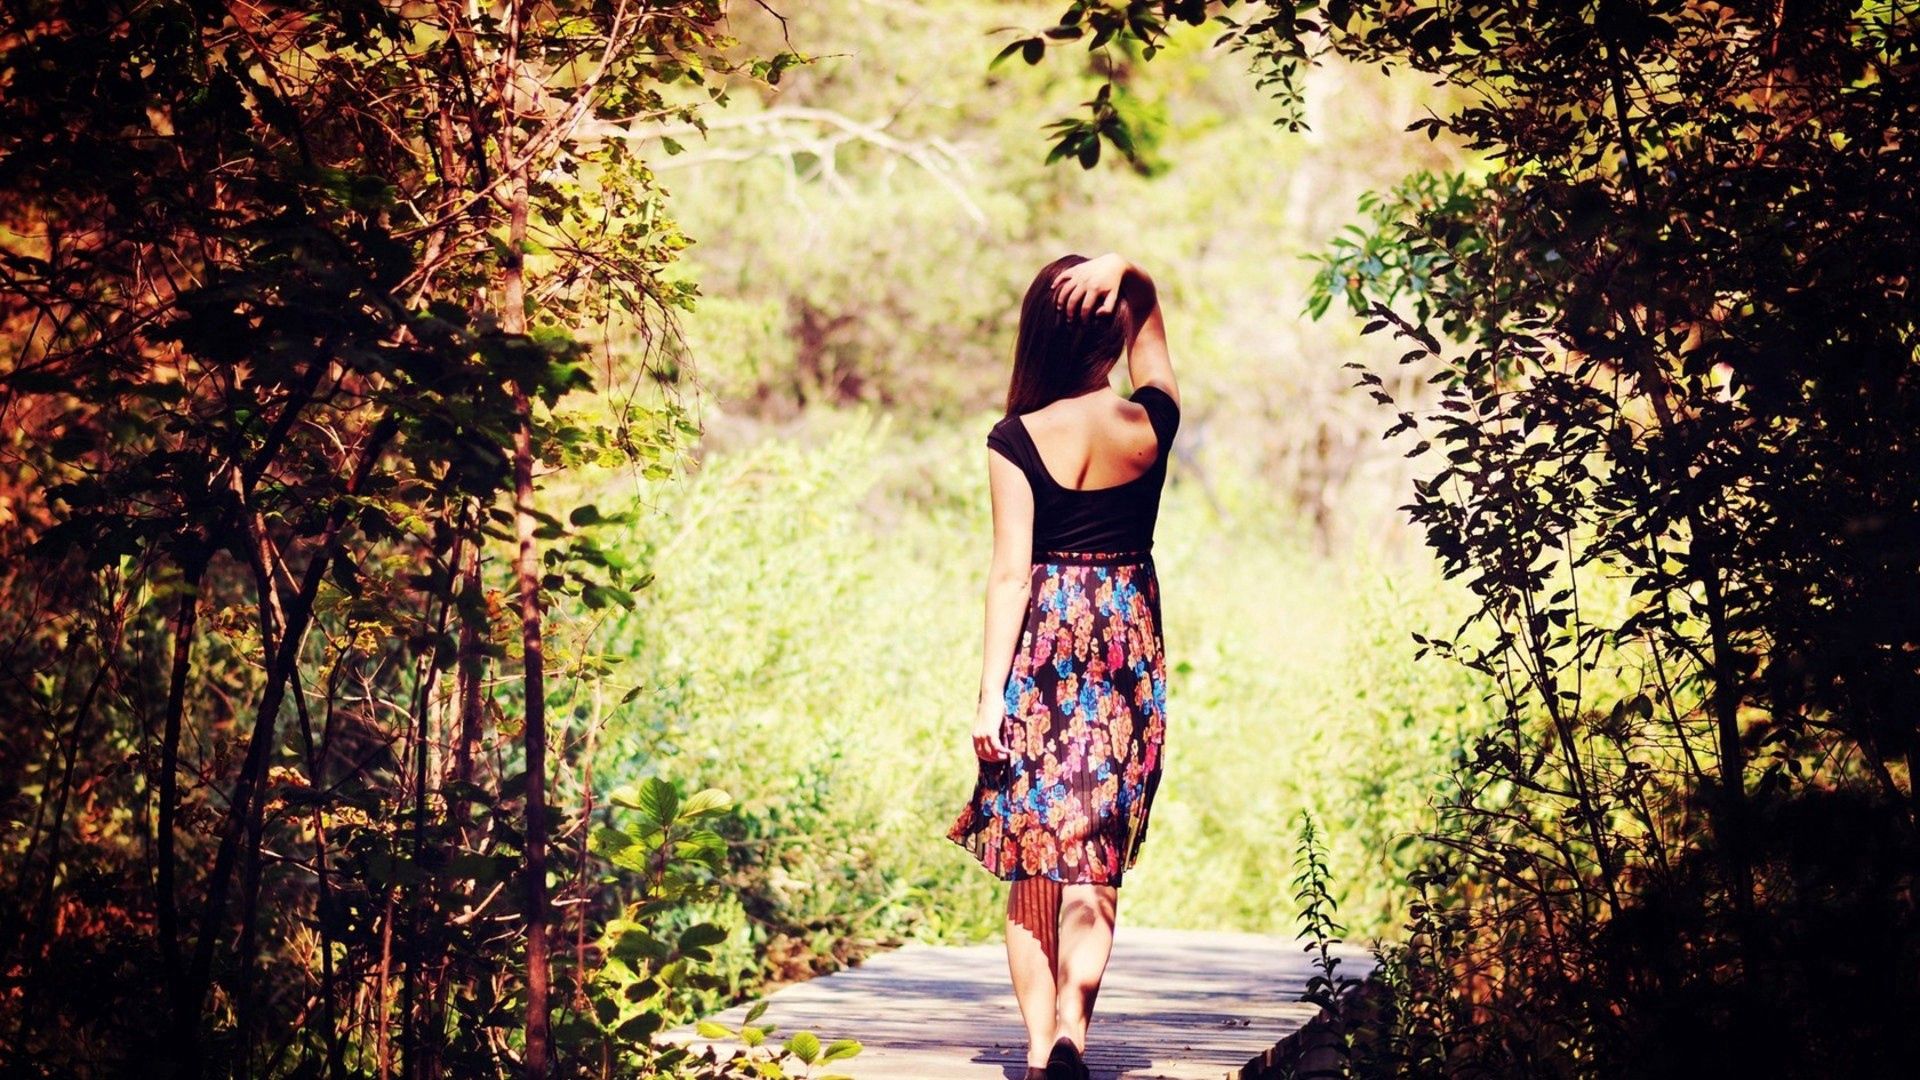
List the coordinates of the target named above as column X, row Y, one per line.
column 1085, row 719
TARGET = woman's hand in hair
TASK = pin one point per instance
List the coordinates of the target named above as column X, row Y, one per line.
column 1091, row 287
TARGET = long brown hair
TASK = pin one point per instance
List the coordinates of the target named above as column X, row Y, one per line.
column 1056, row 357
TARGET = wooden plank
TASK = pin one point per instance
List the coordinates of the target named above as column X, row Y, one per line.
column 1175, row 1005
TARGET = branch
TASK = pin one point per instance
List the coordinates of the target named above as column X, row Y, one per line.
column 936, row 156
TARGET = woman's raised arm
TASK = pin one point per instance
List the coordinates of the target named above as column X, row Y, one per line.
column 1096, row 287
column 1148, row 363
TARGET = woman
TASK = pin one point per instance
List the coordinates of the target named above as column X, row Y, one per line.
column 1072, row 709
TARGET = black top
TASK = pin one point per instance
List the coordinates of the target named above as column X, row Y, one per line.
column 1115, row 518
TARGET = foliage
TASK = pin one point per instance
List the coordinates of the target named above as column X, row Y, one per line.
column 1313, row 888
column 647, row 976
column 802, row 1046
column 807, row 642
column 1674, row 333
column 290, row 296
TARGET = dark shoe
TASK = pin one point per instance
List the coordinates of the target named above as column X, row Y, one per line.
column 1034, row 1072
column 1065, row 1063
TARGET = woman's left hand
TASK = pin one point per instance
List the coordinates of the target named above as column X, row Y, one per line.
column 1092, row 286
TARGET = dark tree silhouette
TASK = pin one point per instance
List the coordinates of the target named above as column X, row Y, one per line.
column 288, row 295
column 1674, row 327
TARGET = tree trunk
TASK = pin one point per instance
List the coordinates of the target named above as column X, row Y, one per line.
column 526, row 566
column 471, row 666
column 186, row 623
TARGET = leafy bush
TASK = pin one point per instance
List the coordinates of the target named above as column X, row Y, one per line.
column 814, row 654
column 645, row 977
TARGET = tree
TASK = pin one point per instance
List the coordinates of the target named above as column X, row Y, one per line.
column 291, row 296
column 1674, row 327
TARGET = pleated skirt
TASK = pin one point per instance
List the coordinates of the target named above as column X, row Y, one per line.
column 1084, row 724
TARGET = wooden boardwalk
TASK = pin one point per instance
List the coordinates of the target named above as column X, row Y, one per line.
column 1175, row 1005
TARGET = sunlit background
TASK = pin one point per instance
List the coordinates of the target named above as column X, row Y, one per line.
column 861, row 239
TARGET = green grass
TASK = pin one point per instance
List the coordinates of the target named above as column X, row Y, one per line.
column 811, row 644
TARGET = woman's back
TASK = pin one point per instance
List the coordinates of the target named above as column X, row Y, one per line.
column 1096, row 465
column 1093, row 441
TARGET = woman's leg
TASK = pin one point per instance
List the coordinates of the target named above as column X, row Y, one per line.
column 1086, row 940
column 1033, row 950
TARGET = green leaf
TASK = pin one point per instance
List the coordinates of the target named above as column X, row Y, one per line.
column 841, row 1048
column 702, row 846
column 599, row 596
column 633, row 858
column 640, row 1027
column 639, row 943
column 708, row 801
column 607, row 841
column 710, row 1030
column 658, row 800
column 804, row 1045
column 701, row 935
